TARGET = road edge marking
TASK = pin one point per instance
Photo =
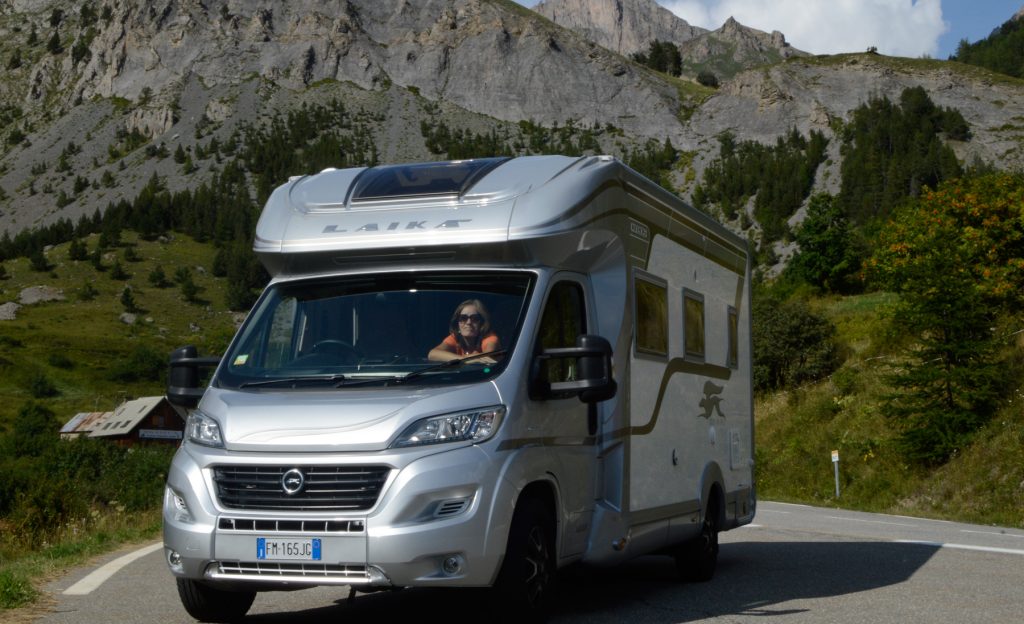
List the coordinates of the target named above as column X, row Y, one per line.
column 990, row 549
column 100, row 575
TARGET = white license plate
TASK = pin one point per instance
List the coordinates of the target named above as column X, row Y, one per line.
column 293, row 549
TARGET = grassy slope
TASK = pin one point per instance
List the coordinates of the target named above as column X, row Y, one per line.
column 90, row 333
column 797, row 430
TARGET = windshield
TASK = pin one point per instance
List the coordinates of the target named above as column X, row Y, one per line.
column 423, row 328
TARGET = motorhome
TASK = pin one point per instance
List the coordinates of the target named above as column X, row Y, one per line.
column 467, row 374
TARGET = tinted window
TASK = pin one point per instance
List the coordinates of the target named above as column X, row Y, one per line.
column 441, row 178
column 651, row 315
column 693, row 324
column 564, row 319
column 308, row 332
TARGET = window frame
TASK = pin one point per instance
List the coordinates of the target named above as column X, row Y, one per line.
column 640, row 276
column 732, row 346
column 688, row 354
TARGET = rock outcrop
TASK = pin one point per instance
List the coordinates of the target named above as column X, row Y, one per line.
column 625, row 26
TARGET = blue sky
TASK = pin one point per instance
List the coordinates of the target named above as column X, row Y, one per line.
column 898, row 27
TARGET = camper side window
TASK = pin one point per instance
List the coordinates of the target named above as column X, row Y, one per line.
column 734, row 340
column 651, row 322
column 564, row 319
column 693, row 325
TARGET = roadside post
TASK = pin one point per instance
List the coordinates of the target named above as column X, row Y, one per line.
column 835, row 466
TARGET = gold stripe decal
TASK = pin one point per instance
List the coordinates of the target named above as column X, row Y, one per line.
column 675, row 366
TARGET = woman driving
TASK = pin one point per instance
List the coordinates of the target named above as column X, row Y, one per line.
column 469, row 332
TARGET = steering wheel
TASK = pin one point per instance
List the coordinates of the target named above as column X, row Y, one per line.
column 347, row 352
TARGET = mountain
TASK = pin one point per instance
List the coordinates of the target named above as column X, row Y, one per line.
column 174, row 70
column 95, row 98
column 630, row 26
column 624, row 26
column 733, row 48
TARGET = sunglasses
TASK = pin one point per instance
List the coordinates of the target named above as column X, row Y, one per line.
column 475, row 318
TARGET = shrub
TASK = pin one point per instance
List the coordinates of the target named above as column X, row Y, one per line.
column 707, row 79
column 15, row 590
column 792, row 345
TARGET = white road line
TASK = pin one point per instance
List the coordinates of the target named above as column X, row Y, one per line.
column 993, row 533
column 100, row 575
column 870, row 521
column 1004, row 551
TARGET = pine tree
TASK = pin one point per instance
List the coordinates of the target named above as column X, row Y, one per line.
column 128, row 300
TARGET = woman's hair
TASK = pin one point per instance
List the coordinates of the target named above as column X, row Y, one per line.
column 485, row 327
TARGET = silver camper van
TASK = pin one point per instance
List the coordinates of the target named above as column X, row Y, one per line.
column 467, row 374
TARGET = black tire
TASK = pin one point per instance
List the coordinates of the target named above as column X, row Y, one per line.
column 527, row 577
column 697, row 559
column 209, row 604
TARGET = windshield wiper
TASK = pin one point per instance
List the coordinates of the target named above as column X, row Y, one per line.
column 286, row 380
column 449, row 364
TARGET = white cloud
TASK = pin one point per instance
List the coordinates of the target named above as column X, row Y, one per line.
column 896, row 27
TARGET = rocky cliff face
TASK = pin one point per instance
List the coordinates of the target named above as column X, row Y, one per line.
column 735, row 47
column 628, row 26
column 625, row 26
column 171, row 62
column 183, row 72
column 479, row 54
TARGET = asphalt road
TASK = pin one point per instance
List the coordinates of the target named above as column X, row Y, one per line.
column 796, row 564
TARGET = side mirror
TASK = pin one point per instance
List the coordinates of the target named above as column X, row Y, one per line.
column 593, row 381
column 183, row 385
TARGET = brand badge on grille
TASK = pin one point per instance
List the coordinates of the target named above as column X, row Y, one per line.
column 292, row 481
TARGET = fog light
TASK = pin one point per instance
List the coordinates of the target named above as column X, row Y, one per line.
column 174, row 558
column 452, row 565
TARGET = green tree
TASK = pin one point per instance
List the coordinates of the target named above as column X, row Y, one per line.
column 792, row 345
column 117, row 271
column 14, row 62
column 956, row 258
column 77, row 250
column 53, row 45
column 128, row 300
column 158, row 278
column 189, row 289
column 828, row 257
column 34, row 431
column 38, row 262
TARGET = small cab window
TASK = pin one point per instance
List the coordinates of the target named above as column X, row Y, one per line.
column 693, row 324
column 651, row 317
column 564, row 319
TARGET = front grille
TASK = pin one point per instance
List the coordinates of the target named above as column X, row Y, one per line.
column 291, row 526
column 325, row 488
column 312, row 571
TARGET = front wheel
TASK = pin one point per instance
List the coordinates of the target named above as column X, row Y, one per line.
column 526, row 580
column 209, row 604
column 697, row 559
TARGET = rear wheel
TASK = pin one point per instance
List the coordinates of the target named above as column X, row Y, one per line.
column 526, row 580
column 209, row 604
column 697, row 559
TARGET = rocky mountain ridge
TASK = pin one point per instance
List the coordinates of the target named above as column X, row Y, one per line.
column 629, row 26
column 180, row 73
column 623, row 26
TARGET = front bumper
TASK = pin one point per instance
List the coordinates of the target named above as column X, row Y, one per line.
column 434, row 524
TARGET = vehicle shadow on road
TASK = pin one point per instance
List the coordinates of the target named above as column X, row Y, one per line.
column 753, row 578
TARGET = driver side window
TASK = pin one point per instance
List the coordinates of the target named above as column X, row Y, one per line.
column 564, row 319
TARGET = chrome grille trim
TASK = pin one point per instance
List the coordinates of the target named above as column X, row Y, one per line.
column 325, row 488
column 251, row 525
column 319, row 573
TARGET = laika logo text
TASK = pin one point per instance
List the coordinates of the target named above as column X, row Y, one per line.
column 399, row 226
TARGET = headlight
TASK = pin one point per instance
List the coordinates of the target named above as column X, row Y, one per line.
column 204, row 430
column 472, row 426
